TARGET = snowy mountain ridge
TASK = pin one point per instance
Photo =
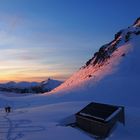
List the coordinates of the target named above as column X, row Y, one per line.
column 104, row 61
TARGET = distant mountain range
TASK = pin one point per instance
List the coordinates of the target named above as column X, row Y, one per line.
column 30, row 87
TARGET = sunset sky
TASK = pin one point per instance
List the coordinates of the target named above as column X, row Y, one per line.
column 54, row 38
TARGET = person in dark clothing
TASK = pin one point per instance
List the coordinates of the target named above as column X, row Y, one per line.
column 8, row 109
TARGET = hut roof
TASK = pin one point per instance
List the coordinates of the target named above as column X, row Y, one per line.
column 98, row 111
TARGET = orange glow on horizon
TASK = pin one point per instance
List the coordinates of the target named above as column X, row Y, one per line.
column 36, row 78
column 30, row 76
column 30, row 65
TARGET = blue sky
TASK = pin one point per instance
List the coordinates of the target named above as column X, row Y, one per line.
column 53, row 38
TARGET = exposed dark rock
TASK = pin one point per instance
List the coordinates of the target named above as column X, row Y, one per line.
column 127, row 36
column 89, row 76
column 137, row 33
column 123, row 54
column 118, row 34
column 137, row 20
column 106, row 50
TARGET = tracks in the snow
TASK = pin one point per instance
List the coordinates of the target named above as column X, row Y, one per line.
column 9, row 122
column 16, row 129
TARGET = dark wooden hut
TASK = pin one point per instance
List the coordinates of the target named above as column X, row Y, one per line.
column 99, row 119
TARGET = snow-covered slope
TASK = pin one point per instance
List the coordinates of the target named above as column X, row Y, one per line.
column 106, row 61
column 50, row 84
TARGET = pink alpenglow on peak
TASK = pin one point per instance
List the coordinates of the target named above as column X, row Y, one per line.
column 106, row 61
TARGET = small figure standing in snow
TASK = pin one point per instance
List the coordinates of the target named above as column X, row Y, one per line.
column 7, row 109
